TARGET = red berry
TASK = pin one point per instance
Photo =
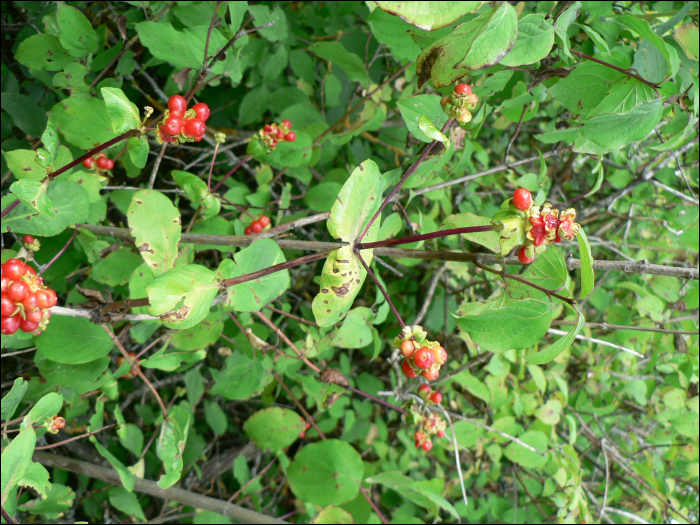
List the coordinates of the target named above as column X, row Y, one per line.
column 419, row 436
column 264, row 221
column 256, row 227
column 34, row 315
column 17, row 291
column 202, row 111
column 407, row 349
column 103, row 163
column 290, row 137
column 110, row 164
column 248, row 231
column 280, row 135
column 423, row 358
column 287, row 124
column 427, row 446
column 522, row 199
column 7, row 306
column 88, row 162
column 441, row 433
column 13, row 269
column 431, row 375
column 436, row 397
column 267, row 128
column 120, row 360
column 27, row 326
column 463, row 89
column 9, row 325
column 176, row 114
column 407, row 370
column 523, row 257
column 307, row 426
column 440, row 355
column 28, row 239
column 30, row 302
column 417, row 444
column 173, row 125
column 195, row 127
column 36, row 333
column 101, row 154
column 177, row 103
column 5, row 283
column 302, row 434
column 45, row 299
column 59, row 422
column 424, row 389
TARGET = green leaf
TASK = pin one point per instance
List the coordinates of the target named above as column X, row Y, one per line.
column 516, row 324
column 71, row 205
column 215, row 417
column 172, row 360
column 496, row 40
column 430, row 15
column 25, row 112
column 182, row 297
column 642, row 28
column 489, row 240
column 349, row 62
column 16, row 458
column 48, row 406
column 686, row 424
column 552, row 351
column 426, row 494
column 322, row 196
column 171, row 444
column 262, row 15
column 127, row 502
column 155, row 224
column 274, row 428
column 201, row 335
column 413, row 109
column 73, row 340
column 138, row 151
column 252, row 296
column 595, row 37
column 58, row 501
column 117, row 267
column 326, row 473
column 355, row 332
column 430, row 130
column 242, row 377
column 12, row 399
column 122, row 113
column 33, row 195
column 587, row 274
column 83, row 122
column 49, row 138
column 548, row 271
column 36, row 477
column 524, row 456
column 75, row 32
column 585, row 87
column 391, row 31
column 439, row 60
column 43, row 52
column 535, row 40
column 125, row 475
column 24, row 165
column 358, row 200
column 333, row 514
column 615, row 131
column 687, row 36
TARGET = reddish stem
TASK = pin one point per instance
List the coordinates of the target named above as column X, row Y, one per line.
column 48, row 264
column 409, row 172
column 243, row 161
column 435, row 235
column 381, row 288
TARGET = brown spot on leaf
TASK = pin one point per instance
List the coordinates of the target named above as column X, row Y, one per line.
column 139, row 202
column 325, row 290
column 145, row 247
column 331, row 375
column 361, row 167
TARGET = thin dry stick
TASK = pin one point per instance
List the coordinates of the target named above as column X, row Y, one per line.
column 528, row 283
column 288, row 341
column 381, row 288
column 259, row 474
column 597, row 341
column 456, row 445
column 156, row 165
column 429, row 296
column 607, row 477
column 532, row 498
column 135, row 368
column 88, row 434
column 491, row 429
column 606, row 326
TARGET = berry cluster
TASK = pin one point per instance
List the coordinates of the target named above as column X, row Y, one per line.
column 267, row 138
column 460, row 103
column 430, row 423
column 180, row 124
column 101, row 163
column 544, row 226
column 54, row 424
column 257, row 226
column 421, row 356
column 302, row 434
column 131, row 373
column 31, row 244
column 26, row 301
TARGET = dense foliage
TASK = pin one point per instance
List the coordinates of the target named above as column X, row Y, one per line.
column 341, row 262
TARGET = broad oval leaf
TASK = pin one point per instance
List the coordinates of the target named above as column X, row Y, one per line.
column 122, row 113
column 430, row 15
column 535, row 40
column 274, row 428
column 552, row 351
column 171, row 444
column 73, row 340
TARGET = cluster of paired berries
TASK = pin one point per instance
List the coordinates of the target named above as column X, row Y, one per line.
column 101, row 163
column 302, row 434
column 421, row 356
column 544, row 226
column 131, row 373
column 257, row 226
column 54, row 424
column 430, row 423
column 26, row 301
column 31, row 244
column 180, row 124
column 269, row 136
column 460, row 103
